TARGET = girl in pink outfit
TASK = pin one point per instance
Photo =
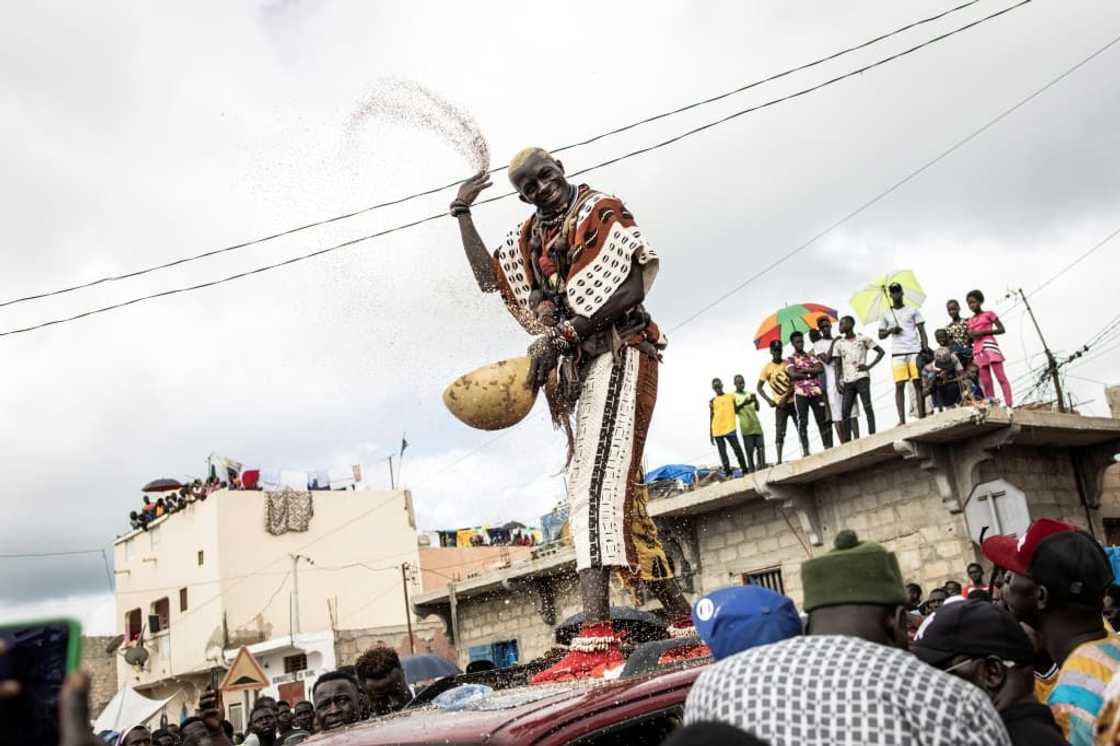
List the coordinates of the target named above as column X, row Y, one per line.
column 982, row 327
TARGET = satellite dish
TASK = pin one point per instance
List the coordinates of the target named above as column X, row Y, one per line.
column 114, row 644
column 136, row 656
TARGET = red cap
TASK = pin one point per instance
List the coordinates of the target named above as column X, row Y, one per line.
column 1016, row 554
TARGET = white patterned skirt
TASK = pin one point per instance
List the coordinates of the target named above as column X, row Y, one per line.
column 607, row 496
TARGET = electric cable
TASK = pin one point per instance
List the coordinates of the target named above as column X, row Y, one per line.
column 611, row 161
column 434, row 190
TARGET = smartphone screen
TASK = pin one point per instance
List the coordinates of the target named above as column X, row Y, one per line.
column 38, row 656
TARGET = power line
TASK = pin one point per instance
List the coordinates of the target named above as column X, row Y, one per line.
column 267, row 603
column 51, row 554
column 879, row 197
column 611, row 161
column 434, row 190
column 1066, row 268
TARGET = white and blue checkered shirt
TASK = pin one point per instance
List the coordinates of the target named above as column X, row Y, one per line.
column 833, row 691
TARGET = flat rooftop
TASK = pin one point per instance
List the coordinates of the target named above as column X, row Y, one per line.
column 1036, row 428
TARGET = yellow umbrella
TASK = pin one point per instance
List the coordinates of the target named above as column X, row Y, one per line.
column 874, row 301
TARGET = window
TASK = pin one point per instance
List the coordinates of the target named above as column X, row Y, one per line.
column 200, row 557
column 770, row 578
column 293, row 663
column 1112, row 531
column 159, row 618
column 237, row 716
column 182, row 600
column 502, row 654
column 132, row 625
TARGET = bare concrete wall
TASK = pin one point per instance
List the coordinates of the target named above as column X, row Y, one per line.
column 102, row 668
column 896, row 504
column 428, row 637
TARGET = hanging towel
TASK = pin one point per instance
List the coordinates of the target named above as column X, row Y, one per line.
column 269, row 479
column 463, row 537
column 287, row 510
column 340, row 479
column 294, row 480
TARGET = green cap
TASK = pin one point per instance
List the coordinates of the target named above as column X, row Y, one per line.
column 854, row 572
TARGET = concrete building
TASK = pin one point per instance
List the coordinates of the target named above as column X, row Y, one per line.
column 925, row 490
column 442, row 565
column 201, row 583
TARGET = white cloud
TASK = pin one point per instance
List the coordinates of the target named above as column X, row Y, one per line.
column 95, row 612
column 186, row 132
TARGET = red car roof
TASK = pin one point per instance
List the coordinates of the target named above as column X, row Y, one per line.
column 553, row 715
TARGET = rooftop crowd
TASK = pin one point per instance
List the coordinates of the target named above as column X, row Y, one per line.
column 173, row 501
column 829, row 377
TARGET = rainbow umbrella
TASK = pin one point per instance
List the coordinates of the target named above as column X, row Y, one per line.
column 800, row 317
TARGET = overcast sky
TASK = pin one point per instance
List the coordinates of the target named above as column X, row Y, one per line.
column 136, row 134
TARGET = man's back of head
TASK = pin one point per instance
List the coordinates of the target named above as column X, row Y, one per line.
column 857, row 590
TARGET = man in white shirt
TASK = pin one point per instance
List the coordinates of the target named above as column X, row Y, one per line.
column 905, row 325
column 832, row 395
column 850, row 352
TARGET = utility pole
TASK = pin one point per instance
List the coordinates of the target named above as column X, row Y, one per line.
column 407, row 608
column 295, row 593
column 392, row 479
column 1051, row 362
column 454, row 601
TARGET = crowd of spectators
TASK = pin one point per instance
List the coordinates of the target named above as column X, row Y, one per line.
column 1030, row 657
column 173, row 501
column 829, row 378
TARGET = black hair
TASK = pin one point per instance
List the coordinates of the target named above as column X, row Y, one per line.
column 975, row 294
column 914, row 585
column 979, row 594
column 188, row 721
column 378, row 662
column 305, row 702
column 796, row 334
column 974, row 564
column 822, row 320
column 849, row 318
column 774, row 342
column 336, row 675
column 952, row 300
column 283, row 703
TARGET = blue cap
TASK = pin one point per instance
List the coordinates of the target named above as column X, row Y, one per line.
column 731, row 620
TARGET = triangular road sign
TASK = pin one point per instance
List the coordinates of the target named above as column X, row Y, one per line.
column 245, row 673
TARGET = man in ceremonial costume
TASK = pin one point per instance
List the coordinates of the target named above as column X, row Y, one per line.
column 574, row 275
